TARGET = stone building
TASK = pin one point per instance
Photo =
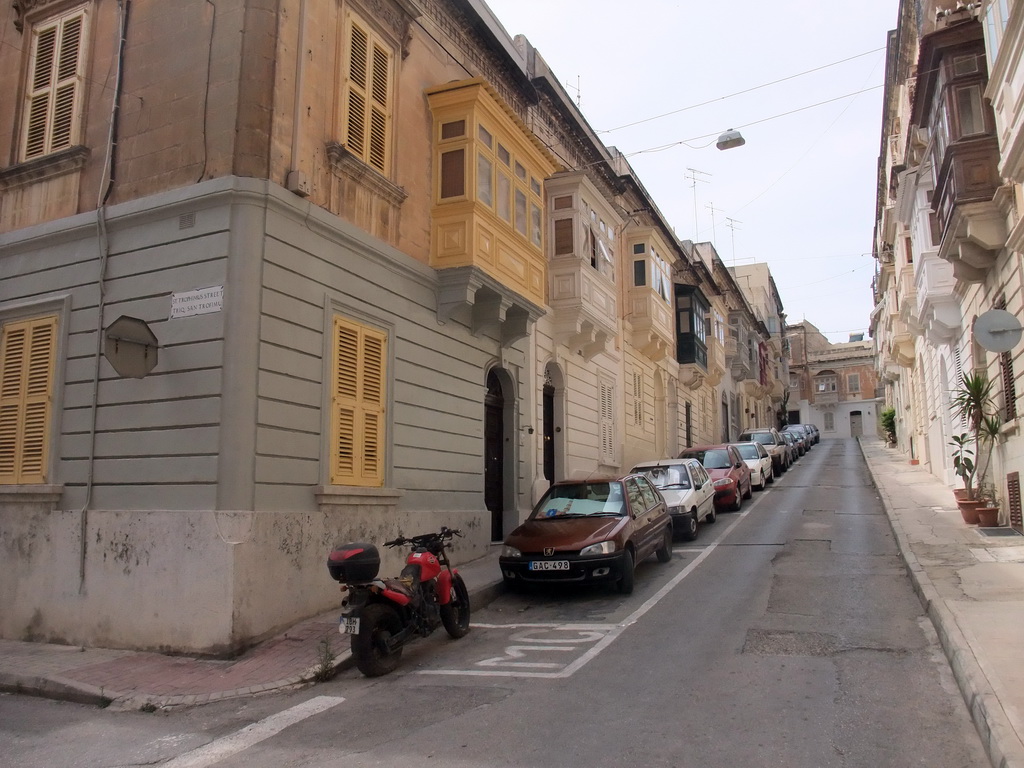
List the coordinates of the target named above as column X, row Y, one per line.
column 276, row 274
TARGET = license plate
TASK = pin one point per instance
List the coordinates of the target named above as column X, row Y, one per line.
column 349, row 626
column 549, row 565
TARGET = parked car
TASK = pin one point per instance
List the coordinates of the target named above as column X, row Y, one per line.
column 774, row 443
column 804, row 433
column 793, row 445
column 760, row 462
column 815, row 432
column 730, row 475
column 688, row 491
column 593, row 530
column 798, row 437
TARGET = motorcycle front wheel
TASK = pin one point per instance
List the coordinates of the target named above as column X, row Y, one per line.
column 455, row 615
column 377, row 624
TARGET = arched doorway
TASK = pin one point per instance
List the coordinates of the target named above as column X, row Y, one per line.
column 499, row 450
column 553, row 426
column 856, row 424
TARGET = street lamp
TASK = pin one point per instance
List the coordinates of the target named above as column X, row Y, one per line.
column 730, row 139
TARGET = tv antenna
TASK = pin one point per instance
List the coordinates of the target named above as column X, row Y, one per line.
column 711, row 207
column 691, row 174
column 579, row 93
column 731, row 224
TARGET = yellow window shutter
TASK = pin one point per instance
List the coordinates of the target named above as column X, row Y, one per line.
column 380, row 117
column 357, row 405
column 368, row 96
column 357, row 74
column 55, row 86
column 27, row 356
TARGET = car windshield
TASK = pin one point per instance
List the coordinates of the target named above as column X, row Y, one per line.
column 583, row 499
column 765, row 438
column 673, row 476
column 715, row 458
column 748, row 451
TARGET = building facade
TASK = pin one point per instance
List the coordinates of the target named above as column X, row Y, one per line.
column 948, row 233
column 275, row 275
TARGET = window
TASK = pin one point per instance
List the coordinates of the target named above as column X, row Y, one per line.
column 970, row 110
column 53, row 93
column 825, row 384
column 853, row 382
column 1009, row 387
column 367, row 96
column 607, row 422
column 638, row 398
column 358, row 391
column 661, row 276
column 639, row 273
column 830, row 421
column 28, row 350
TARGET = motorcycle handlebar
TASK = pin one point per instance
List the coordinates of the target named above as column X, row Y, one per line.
column 445, row 534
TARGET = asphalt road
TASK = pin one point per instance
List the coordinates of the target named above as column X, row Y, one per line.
column 786, row 635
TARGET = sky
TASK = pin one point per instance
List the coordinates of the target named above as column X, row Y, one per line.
column 801, row 81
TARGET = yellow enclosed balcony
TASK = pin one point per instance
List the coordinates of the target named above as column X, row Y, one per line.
column 487, row 217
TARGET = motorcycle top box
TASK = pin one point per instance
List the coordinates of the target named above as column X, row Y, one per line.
column 354, row 562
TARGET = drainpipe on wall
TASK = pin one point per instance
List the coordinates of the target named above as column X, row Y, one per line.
column 101, row 235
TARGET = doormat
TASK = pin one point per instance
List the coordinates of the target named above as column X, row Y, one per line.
column 1001, row 531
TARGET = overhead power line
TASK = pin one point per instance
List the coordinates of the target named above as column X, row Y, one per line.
column 740, row 93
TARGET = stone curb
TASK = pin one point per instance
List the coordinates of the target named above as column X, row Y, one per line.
column 64, row 689
column 1004, row 748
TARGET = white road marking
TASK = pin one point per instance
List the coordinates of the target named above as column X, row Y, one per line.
column 603, row 634
column 261, row 730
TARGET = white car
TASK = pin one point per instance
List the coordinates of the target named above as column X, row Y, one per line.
column 760, row 462
column 688, row 491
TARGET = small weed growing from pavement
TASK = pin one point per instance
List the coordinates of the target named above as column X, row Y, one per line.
column 149, row 707
column 105, row 701
column 324, row 661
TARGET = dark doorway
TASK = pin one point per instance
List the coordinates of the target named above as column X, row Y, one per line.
column 494, row 455
column 549, row 433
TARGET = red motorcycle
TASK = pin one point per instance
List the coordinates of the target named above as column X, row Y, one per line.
column 382, row 615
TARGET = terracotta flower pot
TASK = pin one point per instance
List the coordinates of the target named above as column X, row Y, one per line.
column 988, row 517
column 959, row 493
column 969, row 511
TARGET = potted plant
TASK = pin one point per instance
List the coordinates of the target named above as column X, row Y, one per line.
column 888, row 417
column 972, row 401
column 988, row 512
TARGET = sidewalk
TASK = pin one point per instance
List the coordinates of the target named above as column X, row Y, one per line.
column 972, row 587
column 129, row 680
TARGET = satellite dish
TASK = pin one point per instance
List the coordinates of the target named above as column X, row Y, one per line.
column 997, row 330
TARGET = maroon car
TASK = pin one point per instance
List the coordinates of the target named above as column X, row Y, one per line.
column 590, row 530
column 729, row 473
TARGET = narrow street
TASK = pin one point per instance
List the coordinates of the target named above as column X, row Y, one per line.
column 787, row 634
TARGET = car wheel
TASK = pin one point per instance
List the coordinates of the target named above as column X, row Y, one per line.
column 690, row 526
column 738, row 504
column 750, row 489
column 712, row 516
column 771, row 475
column 664, row 552
column 626, row 580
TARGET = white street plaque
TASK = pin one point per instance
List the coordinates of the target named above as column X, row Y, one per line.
column 201, row 302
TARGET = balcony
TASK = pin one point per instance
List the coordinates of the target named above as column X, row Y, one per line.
column 972, row 224
column 826, row 399
column 584, row 306
column 716, row 361
column 938, row 308
column 652, row 323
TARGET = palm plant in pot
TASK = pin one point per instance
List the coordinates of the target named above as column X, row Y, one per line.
column 972, row 401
